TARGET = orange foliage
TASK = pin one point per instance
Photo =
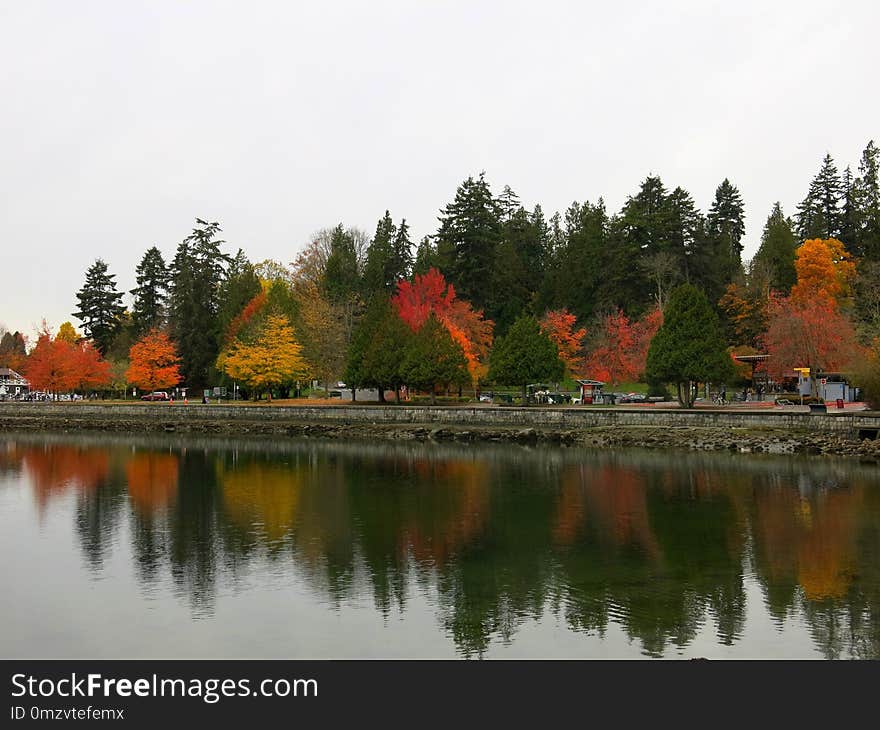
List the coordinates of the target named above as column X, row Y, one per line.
column 429, row 294
column 824, row 270
column 152, row 480
column 811, row 333
column 153, row 362
column 58, row 366
column 621, row 352
column 250, row 310
column 559, row 326
column 55, row 469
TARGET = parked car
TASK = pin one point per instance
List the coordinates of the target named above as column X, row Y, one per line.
column 156, row 395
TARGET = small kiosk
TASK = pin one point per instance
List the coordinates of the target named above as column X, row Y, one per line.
column 591, row 391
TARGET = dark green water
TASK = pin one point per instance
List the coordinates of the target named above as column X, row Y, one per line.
column 152, row 547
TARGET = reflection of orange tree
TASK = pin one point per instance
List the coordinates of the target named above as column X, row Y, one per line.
column 55, row 469
column 152, row 480
column 811, row 541
column 458, row 491
column 262, row 498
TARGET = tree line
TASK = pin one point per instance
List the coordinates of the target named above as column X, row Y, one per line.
column 500, row 293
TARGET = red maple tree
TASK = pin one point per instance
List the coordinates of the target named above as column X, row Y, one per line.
column 621, row 349
column 559, row 325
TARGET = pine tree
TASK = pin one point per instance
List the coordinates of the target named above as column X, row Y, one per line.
column 819, row 215
column 378, row 349
column 867, row 197
column 341, row 275
column 519, row 266
column 433, row 358
column 850, row 225
column 467, row 242
column 426, row 257
column 100, row 306
column 689, row 347
column 525, row 355
column 725, row 226
column 377, row 271
column 197, row 275
column 777, row 250
column 401, row 255
column 151, row 292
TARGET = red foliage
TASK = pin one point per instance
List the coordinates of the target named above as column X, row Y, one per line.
column 808, row 333
column 621, row 351
column 251, row 309
column 58, row 366
column 430, row 294
column 559, row 326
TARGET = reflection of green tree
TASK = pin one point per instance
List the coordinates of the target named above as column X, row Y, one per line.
column 99, row 510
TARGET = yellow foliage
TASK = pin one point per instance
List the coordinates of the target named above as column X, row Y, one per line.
column 272, row 359
column 824, row 269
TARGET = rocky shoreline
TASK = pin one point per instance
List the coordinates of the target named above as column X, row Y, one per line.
column 694, row 438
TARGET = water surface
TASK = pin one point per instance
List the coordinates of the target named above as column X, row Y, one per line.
column 173, row 547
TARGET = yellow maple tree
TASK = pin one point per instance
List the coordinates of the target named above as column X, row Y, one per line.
column 272, row 358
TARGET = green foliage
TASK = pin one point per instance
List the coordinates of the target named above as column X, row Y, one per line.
column 378, row 348
column 725, row 227
column 525, row 355
column 197, row 275
column 100, row 306
column 389, row 257
column 150, row 294
column 240, row 285
column 777, row 251
column 341, row 275
column 689, row 347
column 819, row 214
column 433, row 358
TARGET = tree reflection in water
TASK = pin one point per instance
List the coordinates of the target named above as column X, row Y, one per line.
column 658, row 544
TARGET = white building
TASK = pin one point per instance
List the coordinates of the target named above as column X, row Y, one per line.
column 12, row 385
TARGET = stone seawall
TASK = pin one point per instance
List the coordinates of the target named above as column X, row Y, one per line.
column 846, row 423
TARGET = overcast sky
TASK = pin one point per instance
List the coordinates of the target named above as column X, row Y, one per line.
column 120, row 122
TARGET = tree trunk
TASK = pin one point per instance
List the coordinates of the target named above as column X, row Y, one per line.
column 524, row 393
column 353, row 394
column 433, row 395
column 381, row 393
column 397, row 394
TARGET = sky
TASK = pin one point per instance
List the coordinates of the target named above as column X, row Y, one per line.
column 121, row 122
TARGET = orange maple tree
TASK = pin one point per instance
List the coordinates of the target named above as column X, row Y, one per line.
column 57, row 365
column 154, row 362
column 559, row 325
column 811, row 333
column 621, row 349
column 428, row 294
column 824, row 269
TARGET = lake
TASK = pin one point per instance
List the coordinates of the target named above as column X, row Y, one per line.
column 147, row 546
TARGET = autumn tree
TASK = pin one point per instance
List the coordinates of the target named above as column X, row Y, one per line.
column 272, row 359
column 100, row 306
column 429, row 294
column 619, row 348
column 525, row 355
column 57, row 365
column 824, row 269
column 561, row 326
column 89, row 371
column 153, row 362
column 811, row 333
column 688, row 348
column 67, row 333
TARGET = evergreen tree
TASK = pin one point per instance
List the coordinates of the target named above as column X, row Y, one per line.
column 426, row 257
column 197, row 274
column 378, row 348
column 819, row 215
column 377, row 271
column 525, row 355
column 341, row 275
column 467, row 243
column 401, row 254
column 578, row 259
column 850, row 225
column 12, row 351
column 867, row 196
column 519, row 265
column 689, row 348
column 100, row 306
column 777, row 250
column 150, row 294
column 725, row 226
column 433, row 358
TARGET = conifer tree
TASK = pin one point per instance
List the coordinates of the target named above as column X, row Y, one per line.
column 525, row 355
column 725, row 226
column 867, row 196
column 151, row 292
column 819, row 215
column 777, row 250
column 197, row 275
column 100, row 306
column 689, row 347
column 433, row 358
